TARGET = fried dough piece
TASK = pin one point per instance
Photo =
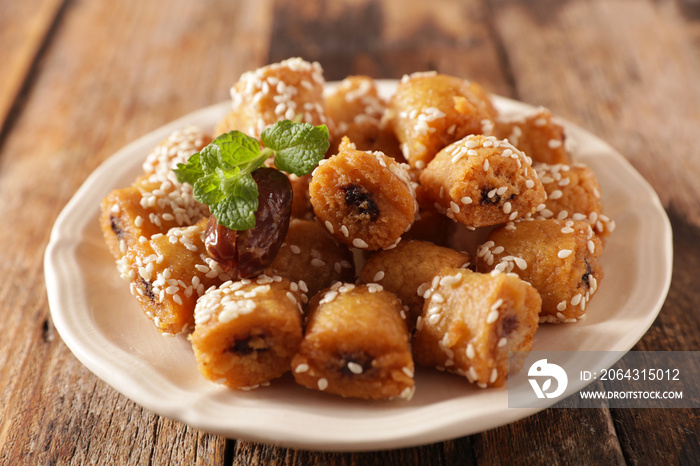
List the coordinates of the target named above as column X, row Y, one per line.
column 247, row 331
column 356, row 344
column 428, row 111
column 558, row 257
column 481, row 181
column 364, row 199
column 471, row 321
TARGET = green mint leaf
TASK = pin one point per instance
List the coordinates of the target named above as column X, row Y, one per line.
column 237, row 210
column 207, row 190
column 298, row 147
column 189, row 172
column 239, row 149
column 221, row 173
column 221, row 178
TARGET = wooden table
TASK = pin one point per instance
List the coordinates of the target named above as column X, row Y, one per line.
column 80, row 79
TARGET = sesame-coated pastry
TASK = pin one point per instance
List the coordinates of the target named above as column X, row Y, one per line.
column 471, row 321
column 428, row 111
column 573, row 193
column 280, row 91
column 536, row 134
column 408, row 269
column 558, row 257
column 356, row 110
column 168, row 272
column 481, row 181
column 156, row 201
column 364, row 199
column 312, row 257
column 356, row 344
column 247, row 331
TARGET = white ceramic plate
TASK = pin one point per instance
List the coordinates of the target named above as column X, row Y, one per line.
column 105, row 328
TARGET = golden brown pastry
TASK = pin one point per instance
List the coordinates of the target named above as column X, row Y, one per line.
column 573, row 193
column 280, row 91
column 428, row 111
column 536, row 134
column 408, row 269
column 558, row 257
column 312, row 258
column 247, row 331
column 481, row 181
column 356, row 344
column 471, row 321
column 167, row 274
column 364, row 199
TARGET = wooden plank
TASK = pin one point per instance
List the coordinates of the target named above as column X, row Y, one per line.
column 644, row 101
column 449, row 452
column 545, row 52
column 24, row 27
column 112, row 72
column 390, row 38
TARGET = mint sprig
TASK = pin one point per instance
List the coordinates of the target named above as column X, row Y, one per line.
column 221, row 173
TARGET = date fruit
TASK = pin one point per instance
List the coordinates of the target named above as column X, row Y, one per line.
column 246, row 253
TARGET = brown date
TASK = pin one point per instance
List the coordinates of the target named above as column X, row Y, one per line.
column 245, row 254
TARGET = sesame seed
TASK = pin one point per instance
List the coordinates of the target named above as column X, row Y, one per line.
column 329, row 297
column 496, row 304
column 295, row 249
column 494, row 375
column 317, row 262
column 450, row 280
column 329, row 225
column 322, row 384
column 556, row 194
column 561, row 306
column 591, row 246
column 359, row 243
column 466, row 200
column 355, row 368
column 344, row 231
column 576, row 299
column 486, row 165
column 502, row 342
column 529, row 184
column 492, row 317
column 470, row 351
column 564, row 253
column 374, row 288
column 378, row 276
column 454, row 207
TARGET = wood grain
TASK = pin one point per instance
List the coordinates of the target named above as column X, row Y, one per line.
column 98, row 88
column 82, row 79
column 24, row 28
